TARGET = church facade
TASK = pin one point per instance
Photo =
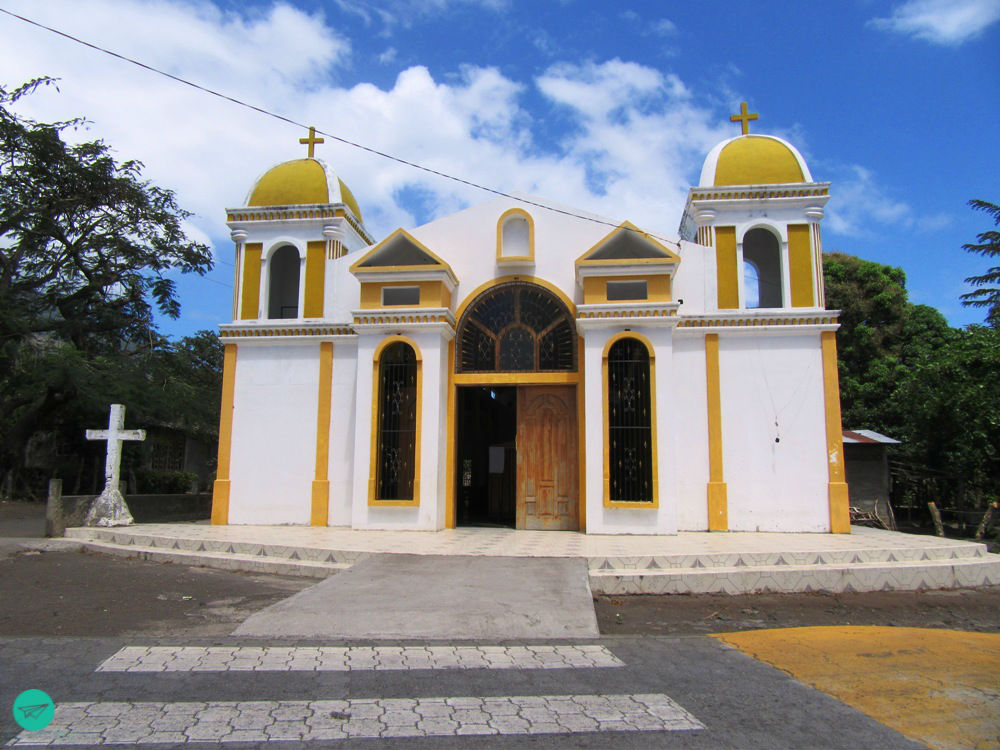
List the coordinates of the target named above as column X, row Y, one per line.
column 523, row 364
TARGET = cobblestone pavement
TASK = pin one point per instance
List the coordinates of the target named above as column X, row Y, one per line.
column 257, row 721
column 350, row 658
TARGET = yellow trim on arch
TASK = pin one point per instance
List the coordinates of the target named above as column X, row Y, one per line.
column 718, row 502
column 450, row 518
column 320, row 514
column 726, row 271
column 530, row 257
column 373, row 457
column 250, row 300
column 315, row 282
column 220, row 490
column 471, row 297
column 581, row 422
column 840, row 518
column 800, row 265
column 654, row 455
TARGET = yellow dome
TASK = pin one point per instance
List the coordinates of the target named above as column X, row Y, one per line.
column 754, row 160
column 300, row 182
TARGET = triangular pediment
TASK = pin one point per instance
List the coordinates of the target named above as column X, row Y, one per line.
column 399, row 249
column 628, row 244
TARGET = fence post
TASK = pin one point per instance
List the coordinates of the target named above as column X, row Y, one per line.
column 54, row 524
column 936, row 515
column 984, row 524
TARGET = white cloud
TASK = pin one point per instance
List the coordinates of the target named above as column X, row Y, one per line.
column 663, row 27
column 858, row 205
column 388, row 56
column 948, row 22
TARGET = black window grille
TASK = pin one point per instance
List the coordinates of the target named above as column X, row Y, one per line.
column 516, row 326
column 397, row 422
column 630, row 432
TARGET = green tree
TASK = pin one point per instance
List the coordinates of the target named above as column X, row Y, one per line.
column 87, row 249
column 987, row 292
column 881, row 336
column 905, row 372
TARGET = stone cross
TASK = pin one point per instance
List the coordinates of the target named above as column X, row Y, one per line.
column 109, row 508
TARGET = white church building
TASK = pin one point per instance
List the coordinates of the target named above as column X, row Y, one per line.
column 514, row 365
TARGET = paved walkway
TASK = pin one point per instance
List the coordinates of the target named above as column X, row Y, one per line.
column 429, row 596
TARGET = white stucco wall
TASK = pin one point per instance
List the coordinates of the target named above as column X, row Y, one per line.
column 274, row 433
column 429, row 513
column 342, row 425
column 687, row 425
column 607, row 520
column 774, row 486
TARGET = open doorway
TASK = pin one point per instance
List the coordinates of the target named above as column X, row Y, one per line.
column 487, row 458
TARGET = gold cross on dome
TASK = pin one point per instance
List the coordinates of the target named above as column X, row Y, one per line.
column 743, row 118
column 311, row 141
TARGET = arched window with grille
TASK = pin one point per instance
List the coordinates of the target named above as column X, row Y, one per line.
column 397, row 424
column 630, row 449
column 516, row 326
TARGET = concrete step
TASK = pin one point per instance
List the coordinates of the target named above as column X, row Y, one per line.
column 834, row 578
column 338, row 559
column 219, row 560
column 953, row 550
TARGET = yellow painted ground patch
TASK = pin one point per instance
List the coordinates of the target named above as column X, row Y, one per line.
column 939, row 687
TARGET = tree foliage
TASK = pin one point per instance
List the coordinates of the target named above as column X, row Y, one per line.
column 906, row 373
column 987, row 292
column 87, row 250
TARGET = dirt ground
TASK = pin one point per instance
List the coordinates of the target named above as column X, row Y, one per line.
column 84, row 594
column 958, row 609
column 58, row 593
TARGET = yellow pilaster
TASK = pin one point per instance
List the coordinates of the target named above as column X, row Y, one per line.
column 840, row 520
column 800, row 265
column 320, row 515
column 220, row 490
column 450, row 476
column 581, row 423
column 251, row 280
column 718, row 504
column 315, row 279
column 727, row 273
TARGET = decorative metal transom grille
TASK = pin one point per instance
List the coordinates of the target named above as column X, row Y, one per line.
column 630, row 434
column 516, row 326
column 397, row 422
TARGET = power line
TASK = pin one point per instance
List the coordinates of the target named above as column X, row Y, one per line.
column 337, row 138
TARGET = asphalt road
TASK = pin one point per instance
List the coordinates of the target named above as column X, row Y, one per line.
column 740, row 702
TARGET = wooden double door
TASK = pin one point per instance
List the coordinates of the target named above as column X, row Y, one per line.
column 518, row 458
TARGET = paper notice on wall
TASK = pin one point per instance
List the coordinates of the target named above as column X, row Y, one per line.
column 496, row 459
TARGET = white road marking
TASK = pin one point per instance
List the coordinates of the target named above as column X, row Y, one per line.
column 129, row 723
column 354, row 658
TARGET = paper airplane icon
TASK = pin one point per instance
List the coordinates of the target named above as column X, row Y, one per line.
column 33, row 712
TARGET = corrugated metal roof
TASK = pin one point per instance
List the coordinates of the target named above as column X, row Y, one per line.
column 868, row 436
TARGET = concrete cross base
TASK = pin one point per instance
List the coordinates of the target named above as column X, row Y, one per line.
column 109, row 509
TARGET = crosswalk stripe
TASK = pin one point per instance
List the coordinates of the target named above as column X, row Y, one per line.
column 135, row 723
column 354, row 658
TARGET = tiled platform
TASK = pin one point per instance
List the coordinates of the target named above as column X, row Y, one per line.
column 690, row 562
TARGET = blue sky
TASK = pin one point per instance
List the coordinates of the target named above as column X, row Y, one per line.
column 607, row 107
